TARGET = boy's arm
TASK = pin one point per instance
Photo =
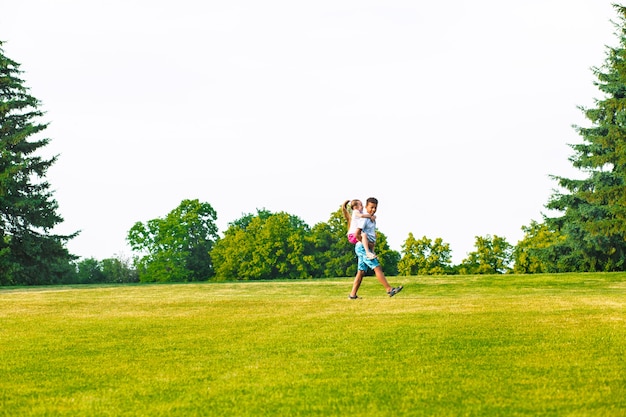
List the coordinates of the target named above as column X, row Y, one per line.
column 370, row 245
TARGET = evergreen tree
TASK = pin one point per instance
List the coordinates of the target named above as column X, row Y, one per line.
column 593, row 209
column 29, row 253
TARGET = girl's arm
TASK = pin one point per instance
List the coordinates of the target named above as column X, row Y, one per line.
column 366, row 216
column 346, row 214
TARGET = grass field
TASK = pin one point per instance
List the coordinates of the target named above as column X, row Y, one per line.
column 537, row 345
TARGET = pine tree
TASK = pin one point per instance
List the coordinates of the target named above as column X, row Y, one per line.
column 29, row 253
column 593, row 209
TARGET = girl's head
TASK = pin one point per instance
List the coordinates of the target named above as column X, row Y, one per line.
column 356, row 205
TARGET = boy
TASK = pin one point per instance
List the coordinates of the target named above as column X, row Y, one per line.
column 369, row 228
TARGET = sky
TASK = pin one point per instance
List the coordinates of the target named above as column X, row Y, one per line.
column 453, row 114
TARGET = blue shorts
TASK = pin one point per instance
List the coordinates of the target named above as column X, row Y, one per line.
column 363, row 262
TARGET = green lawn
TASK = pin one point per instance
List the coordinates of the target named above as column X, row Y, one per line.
column 537, row 345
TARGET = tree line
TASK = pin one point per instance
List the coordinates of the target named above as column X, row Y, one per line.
column 184, row 246
column 587, row 232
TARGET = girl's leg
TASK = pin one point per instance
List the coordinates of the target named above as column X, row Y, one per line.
column 366, row 245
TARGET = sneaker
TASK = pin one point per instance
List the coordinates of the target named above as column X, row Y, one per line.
column 371, row 256
column 353, row 297
column 395, row 290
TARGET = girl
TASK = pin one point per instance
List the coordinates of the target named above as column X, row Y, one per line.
column 354, row 223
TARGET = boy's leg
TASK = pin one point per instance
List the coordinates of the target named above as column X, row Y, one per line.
column 380, row 275
column 357, row 283
column 360, row 269
column 383, row 280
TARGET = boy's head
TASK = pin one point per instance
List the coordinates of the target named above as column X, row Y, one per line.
column 371, row 205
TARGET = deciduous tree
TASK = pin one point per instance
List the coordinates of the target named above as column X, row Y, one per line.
column 539, row 250
column 176, row 247
column 493, row 255
column 265, row 246
column 333, row 255
column 425, row 257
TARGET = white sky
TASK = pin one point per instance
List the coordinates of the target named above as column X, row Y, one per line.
column 453, row 114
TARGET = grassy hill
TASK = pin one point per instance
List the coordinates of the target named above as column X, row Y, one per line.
column 531, row 345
